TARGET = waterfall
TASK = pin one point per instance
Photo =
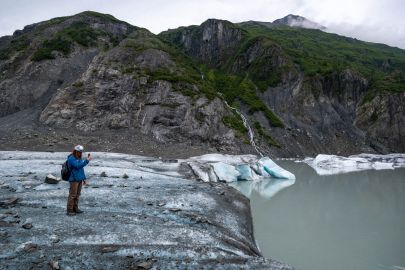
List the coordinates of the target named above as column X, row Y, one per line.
column 247, row 126
column 244, row 120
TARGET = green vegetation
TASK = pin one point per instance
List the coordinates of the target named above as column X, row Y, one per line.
column 81, row 33
column 264, row 70
column 320, row 53
column 78, row 84
column 183, row 74
column 78, row 32
column 16, row 45
column 270, row 140
column 58, row 20
column 233, row 88
column 58, row 44
column 106, row 17
column 235, row 122
column 236, row 88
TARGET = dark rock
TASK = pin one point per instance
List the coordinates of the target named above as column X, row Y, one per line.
column 174, row 209
column 109, row 249
column 50, row 179
column 145, row 265
column 5, row 224
column 103, row 174
column 27, row 226
column 9, row 202
column 30, row 247
column 125, row 176
column 54, row 265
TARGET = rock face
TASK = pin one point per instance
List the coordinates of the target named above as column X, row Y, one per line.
column 93, row 73
column 26, row 82
column 114, row 94
column 213, row 42
column 328, row 112
column 155, row 218
column 383, row 119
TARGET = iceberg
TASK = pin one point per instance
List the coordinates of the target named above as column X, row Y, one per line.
column 332, row 164
column 232, row 168
column 272, row 169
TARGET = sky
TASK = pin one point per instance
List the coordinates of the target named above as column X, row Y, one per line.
column 381, row 21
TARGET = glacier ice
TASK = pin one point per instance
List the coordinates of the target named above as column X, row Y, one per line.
column 245, row 172
column 225, row 172
column 272, row 169
column 231, row 168
column 332, row 164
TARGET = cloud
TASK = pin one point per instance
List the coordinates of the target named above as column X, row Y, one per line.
column 371, row 20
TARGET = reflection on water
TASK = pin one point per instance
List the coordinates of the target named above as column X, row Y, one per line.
column 266, row 188
column 347, row 221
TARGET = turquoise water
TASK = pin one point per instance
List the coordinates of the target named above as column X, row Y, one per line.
column 347, row 221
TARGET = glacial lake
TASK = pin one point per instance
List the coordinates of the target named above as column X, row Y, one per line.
column 347, row 221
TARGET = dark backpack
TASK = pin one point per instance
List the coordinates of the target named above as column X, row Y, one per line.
column 65, row 172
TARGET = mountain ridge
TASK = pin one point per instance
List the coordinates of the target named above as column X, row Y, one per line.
column 172, row 86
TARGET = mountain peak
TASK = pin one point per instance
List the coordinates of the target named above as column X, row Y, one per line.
column 299, row 21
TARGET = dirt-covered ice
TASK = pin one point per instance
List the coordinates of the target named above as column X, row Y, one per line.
column 144, row 212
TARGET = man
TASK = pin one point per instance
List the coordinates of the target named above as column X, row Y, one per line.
column 77, row 179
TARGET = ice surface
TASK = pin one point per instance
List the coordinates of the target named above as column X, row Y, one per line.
column 157, row 211
column 245, row 172
column 230, row 168
column 331, row 164
column 225, row 172
column 272, row 169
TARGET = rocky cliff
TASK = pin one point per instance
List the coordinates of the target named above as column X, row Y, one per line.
column 93, row 72
column 301, row 96
column 303, row 91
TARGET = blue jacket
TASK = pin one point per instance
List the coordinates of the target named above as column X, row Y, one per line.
column 77, row 169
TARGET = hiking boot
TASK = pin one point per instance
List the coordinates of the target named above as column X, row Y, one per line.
column 69, row 213
column 78, row 211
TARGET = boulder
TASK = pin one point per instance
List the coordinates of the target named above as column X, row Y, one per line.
column 51, row 179
column 9, row 202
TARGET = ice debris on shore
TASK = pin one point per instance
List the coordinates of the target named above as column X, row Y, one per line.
column 231, row 168
column 331, row 164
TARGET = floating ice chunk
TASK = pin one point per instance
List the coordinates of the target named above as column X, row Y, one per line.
column 383, row 166
column 331, row 164
column 225, row 172
column 273, row 170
